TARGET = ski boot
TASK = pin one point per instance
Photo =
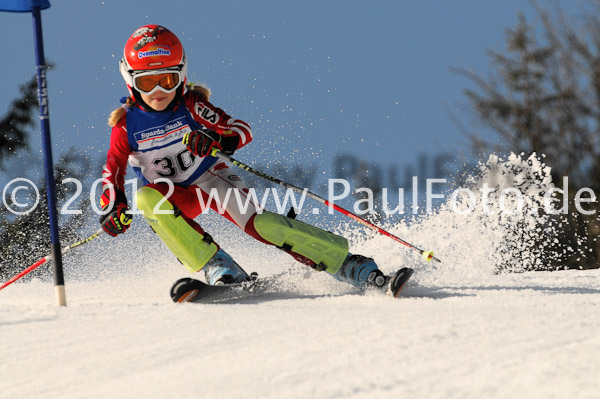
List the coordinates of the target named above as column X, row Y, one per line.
column 221, row 269
column 363, row 272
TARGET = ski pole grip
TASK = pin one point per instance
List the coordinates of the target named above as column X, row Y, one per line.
column 215, row 152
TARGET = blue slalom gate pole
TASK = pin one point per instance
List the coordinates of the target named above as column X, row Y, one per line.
column 55, row 250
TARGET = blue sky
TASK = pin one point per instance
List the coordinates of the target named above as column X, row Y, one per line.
column 314, row 78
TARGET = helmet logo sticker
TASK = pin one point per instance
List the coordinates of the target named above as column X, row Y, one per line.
column 149, row 35
column 155, row 52
column 143, row 41
column 141, row 31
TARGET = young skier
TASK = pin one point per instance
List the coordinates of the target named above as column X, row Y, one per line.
column 166, row 130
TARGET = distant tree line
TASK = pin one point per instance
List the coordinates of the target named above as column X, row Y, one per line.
column 25, row 239
column 543, row 95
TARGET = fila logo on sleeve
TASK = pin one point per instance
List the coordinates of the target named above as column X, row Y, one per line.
column 206, row 113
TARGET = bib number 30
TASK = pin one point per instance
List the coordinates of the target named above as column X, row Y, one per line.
column 170, row 166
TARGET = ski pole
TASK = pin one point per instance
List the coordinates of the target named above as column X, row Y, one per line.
column 48, row 257
column 427, row 255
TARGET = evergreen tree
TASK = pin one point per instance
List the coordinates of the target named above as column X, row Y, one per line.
column 543, row 96
column 13, row 126
column 25, row 239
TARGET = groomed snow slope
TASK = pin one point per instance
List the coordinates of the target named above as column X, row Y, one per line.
column 531, row 335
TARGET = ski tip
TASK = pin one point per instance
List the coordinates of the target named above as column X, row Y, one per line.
column 399, row 280
column 186, row 297
column 180, row 291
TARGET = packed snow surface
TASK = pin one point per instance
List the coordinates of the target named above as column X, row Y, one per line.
column 532, row 335
column 460, row 329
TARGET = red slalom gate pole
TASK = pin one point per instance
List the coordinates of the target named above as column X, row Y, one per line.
column 427, row 255
column 48, row 257
column 27, row 271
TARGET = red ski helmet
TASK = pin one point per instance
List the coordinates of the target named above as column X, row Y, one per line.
column 150, row 50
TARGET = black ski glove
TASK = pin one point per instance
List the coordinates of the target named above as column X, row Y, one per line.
column 115, row 218
column 201, row 142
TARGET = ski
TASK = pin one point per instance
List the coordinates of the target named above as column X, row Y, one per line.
column 192, row 290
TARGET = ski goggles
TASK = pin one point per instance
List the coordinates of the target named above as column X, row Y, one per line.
column 166, row 80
